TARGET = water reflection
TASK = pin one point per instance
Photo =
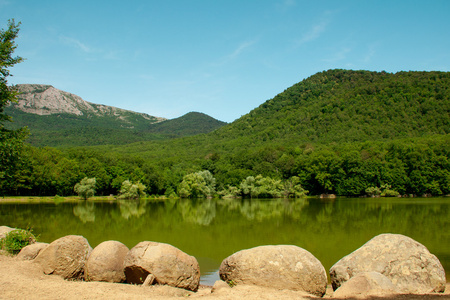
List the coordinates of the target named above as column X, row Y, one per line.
column 213, row 229
column 135, row 208
column 85, row 211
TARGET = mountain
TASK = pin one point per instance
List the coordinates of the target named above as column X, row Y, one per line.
column 337, row 132
column 339, row 106
column 59, row 118
column 192, row 123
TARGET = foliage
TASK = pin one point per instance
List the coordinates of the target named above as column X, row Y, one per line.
column 130, row 190
column 86, row 188
column 11, row 141
column 15, row 240
column 266, row 187
column 198, row 184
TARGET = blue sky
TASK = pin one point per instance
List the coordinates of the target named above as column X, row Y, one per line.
column 220, row 57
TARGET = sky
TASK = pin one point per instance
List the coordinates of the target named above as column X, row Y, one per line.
column 219, row 57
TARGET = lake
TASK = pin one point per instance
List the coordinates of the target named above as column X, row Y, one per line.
column 211, row 230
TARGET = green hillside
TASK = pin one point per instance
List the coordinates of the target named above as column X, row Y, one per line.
column 339, row 131
column 346, row 106
column 68, row 130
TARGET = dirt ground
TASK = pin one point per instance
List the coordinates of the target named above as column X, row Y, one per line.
column 25, row 280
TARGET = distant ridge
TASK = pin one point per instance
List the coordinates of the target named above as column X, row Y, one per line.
column 59, row 119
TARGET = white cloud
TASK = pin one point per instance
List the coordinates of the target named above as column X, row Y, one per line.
column 317, row 29
column 339, row 55
column 371, row 51
column 241, row 48
column 77, row 44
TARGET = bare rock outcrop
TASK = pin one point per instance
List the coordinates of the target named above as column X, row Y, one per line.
column 65, row 256
column 31, row 251
column 407, row 263
column 281, row 267
column 168, row 265
column 105, row 263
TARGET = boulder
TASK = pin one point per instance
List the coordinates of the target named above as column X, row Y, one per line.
column 65, row 256
column 366, row 284
column 219, row 285
column 408, row 264
column 169, row 266
column 4, row 230
column 105, row 263
column 31, row 251
column 281, row 267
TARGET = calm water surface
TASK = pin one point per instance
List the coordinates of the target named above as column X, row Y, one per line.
column 211, row 230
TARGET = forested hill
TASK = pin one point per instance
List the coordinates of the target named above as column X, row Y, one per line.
column 337, row 132
column 58, row 118
column 346, row 106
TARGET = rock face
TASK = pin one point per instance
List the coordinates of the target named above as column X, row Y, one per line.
column 408, row 264
column 167, row 264
column 65, row 256
column 31, row 251
column 366, row 284
column 282, row 267
column 105, row 263
column 4, row 230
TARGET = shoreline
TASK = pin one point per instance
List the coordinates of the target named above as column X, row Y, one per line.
column 25, row 280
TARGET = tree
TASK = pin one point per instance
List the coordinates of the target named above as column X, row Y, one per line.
column 130, row 190
column 11, row 141
column 199, row 184
column 85, row 188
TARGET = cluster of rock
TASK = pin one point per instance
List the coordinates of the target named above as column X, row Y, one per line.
column 387, row 264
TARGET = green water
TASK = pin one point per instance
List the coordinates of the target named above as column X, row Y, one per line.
column 211, row 230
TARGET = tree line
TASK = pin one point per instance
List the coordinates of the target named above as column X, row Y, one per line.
column 415, row 166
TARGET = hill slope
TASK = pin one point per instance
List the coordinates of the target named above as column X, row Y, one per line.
column 58, row 118
column 344, row 106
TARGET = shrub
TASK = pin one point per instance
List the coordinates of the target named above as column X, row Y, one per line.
column 85, row 188
column 130, row 190
column 15, row 240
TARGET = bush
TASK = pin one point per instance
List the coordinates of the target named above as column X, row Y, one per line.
column 130, row 190
column 85, row 188
column 15, row 240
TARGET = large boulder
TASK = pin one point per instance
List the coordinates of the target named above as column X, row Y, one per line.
column 65, row 256
column 105, row 263
column 366, row 284
column 408, row 264
column 31, row 251
column 4, row 230
column 167, row 264
column 282, row 267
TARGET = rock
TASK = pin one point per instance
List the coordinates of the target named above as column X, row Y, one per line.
column 105, row 263
column 366, row 284
column 218, row 285
column 31, row 251
column 4, row 231
column 282, row 267
column 167, row 264
column 65, row 256
column 408, row 264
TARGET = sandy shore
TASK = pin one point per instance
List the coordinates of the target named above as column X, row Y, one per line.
column 25, row 280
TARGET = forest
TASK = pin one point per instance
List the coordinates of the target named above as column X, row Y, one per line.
column 342, row 132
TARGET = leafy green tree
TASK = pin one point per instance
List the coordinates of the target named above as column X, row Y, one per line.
column 293, row 188
column 199, row 184
column 130, row 190
column 85, row 188
column 11, row 141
